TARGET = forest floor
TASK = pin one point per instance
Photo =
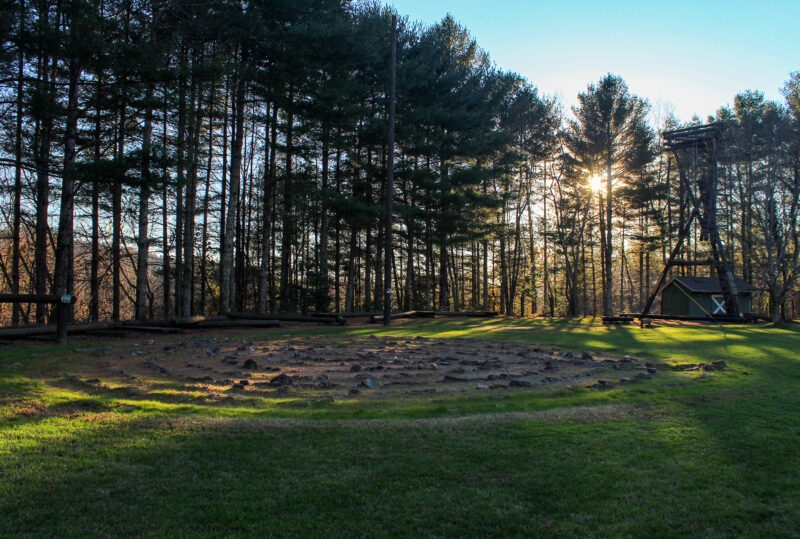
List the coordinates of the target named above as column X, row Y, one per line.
column 431, row 427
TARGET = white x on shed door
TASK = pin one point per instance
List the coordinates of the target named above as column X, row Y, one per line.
column 719, row 304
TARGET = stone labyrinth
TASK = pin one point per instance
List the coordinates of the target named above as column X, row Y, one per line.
column 367, row 368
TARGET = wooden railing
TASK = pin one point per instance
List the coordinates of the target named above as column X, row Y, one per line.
column 62, row 302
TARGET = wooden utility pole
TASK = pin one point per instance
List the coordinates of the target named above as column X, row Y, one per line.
column 387, row 259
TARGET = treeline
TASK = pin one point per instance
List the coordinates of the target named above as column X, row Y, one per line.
column 191, row 157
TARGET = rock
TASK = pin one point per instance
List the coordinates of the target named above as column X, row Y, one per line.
column 243, row 383
column 92, row 381
column 569, row 355
column 481, row 386
column 587, row 356
column 458, row 370
column 355, row 368
column 281, row 380
column 74, row 377
column 702, row 376
column 685, row 367
column 431, row 366
column 324, row 384
column 237, row 387
column 718, row 365
column 93, row 351
column 249, row 364
column 449, row 378
column 149, row 342
column 602, row 384
column 354, row 390
column 371, row 383
column 520, row 383
column 651, row 370
column 498, row 386
column 643, row 376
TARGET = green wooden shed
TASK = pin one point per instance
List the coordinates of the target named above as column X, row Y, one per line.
column 696, row 296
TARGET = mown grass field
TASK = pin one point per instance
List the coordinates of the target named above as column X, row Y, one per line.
column 677, row 455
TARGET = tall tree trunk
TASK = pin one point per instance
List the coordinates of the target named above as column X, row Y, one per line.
column 269, row 185
column 206, row 202
column 233, row 195
column 165, row 217
column 609, row 283
column 43, row 135
column 180, row 170
column 16, row 315
column 190, row 203
column 288, row 218
column 64, row 279
column 323, row 299
column 142, row 240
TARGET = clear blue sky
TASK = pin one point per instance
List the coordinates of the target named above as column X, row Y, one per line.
column 690, row 56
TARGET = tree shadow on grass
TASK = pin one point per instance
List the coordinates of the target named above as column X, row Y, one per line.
column 633, row 476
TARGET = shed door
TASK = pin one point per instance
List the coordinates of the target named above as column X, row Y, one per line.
column 719, row 304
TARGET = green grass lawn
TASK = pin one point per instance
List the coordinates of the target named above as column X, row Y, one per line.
column 677, row 455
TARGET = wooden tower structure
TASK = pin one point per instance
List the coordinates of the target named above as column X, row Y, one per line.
column 695, row 151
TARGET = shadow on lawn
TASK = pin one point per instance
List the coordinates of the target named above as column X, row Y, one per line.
column 695, row 469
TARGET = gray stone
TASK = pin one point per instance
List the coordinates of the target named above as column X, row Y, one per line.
column 371, row 383
column 281, row 380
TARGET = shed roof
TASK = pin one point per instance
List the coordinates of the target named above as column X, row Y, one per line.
column 709, row 285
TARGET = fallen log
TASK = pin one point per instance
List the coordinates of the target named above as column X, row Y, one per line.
column 348, row 315
column 147, row 328
column 407, row 314
column 39, row 331
column 477, row 314
column 238, row 323
column 184, row 322
column 288, row 317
